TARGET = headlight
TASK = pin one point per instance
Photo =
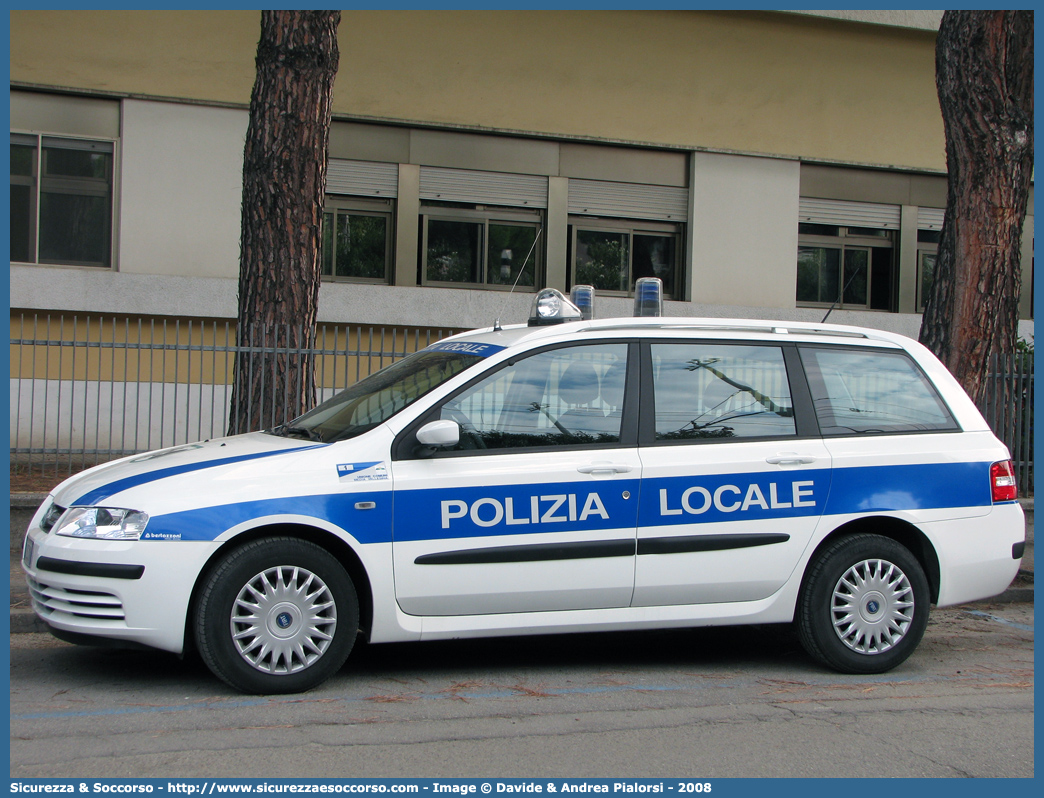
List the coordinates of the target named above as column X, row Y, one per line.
column 103, row 523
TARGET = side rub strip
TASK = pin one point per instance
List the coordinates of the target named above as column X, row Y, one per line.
column 540, row 552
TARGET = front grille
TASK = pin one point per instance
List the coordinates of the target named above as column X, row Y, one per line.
column 50, row 601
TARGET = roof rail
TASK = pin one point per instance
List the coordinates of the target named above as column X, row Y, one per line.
column 778, row 328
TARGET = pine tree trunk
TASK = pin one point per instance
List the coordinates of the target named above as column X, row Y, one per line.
column 984, row 76
column 284, row 184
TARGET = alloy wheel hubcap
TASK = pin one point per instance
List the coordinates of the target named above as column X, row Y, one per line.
column 872, row 606
column 283, row 620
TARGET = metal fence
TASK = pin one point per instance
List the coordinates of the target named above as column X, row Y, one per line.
column 1007, row 404
column 87, row 389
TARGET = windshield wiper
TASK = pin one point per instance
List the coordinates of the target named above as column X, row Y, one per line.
column 285, row 430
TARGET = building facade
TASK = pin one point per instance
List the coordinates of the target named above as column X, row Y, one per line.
column 762, row 164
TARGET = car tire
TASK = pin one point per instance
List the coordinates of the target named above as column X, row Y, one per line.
column 276, row 615
column 864, row 605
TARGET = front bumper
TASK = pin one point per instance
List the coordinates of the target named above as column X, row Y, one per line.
column 131, row 591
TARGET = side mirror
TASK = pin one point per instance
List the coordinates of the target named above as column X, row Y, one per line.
column 437, row 435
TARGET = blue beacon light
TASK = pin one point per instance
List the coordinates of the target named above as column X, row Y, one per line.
column 648, row 297
column 583, row 296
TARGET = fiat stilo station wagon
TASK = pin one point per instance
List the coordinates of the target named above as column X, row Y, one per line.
column 565, row 475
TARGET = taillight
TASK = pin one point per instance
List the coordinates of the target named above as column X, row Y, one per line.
column 1002, row 482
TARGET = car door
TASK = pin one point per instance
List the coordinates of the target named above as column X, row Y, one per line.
column 735, row 476
column 535, row 509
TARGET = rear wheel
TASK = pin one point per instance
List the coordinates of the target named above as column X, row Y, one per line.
column 864, row 605
column 277, row 615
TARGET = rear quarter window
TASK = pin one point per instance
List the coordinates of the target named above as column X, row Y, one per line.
column 859, row 392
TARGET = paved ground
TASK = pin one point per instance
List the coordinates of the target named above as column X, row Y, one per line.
column 701, row 704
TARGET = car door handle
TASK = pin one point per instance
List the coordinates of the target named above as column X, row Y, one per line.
column 604, row 468
column 790, row 458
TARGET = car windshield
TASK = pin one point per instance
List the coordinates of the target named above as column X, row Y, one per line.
column 377, row 398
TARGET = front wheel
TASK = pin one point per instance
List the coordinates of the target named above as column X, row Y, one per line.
column 864, row 605
column 277, row 615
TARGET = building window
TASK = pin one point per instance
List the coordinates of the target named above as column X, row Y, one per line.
column 611, row 254
column 357, row 237
column 927, row 251
column 480, row 246
column 851, row 267
column 61, row 200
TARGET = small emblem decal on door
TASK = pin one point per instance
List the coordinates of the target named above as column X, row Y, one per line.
column 362, row 472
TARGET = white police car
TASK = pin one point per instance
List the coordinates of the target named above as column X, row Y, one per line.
column 588, row 475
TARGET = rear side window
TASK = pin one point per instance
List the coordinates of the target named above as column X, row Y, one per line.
column 862, row 393
column 720, row 391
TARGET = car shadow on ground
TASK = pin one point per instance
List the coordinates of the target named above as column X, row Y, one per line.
column 733, row 648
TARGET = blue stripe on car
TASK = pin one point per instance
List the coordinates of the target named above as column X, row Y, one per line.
column 465, row 347
column 448, row 513
column 112, row 488
column 484, row 511
column 208, row 523
column 911, row 487
column 838, row 491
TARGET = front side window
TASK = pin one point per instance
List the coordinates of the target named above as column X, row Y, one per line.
column 356, row 240
column 480, row 246
column 710, row 391
column 612, row 254
column 849, row 266
column 860, row 393
column 61, row 200
column 568, row 396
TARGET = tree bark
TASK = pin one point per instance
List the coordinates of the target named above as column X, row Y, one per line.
column 984, row 76
column 284, row 185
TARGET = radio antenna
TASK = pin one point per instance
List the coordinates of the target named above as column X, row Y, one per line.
column 840, row 294
column 496, row 323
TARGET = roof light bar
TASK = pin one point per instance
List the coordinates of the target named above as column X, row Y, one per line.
column 583, row 296
column 551, row 307
column 648, row 297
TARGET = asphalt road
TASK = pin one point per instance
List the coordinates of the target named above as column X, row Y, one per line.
column 702, row 704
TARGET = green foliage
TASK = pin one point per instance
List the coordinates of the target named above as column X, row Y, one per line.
column 518, row 240
column 361, row 247
column 605, row 266
column 453, row 251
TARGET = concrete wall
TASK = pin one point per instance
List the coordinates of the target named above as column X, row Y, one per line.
column 181, row 188
column 785, row 86
column 161, row 295
column 744, row 230
column 752, row 82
